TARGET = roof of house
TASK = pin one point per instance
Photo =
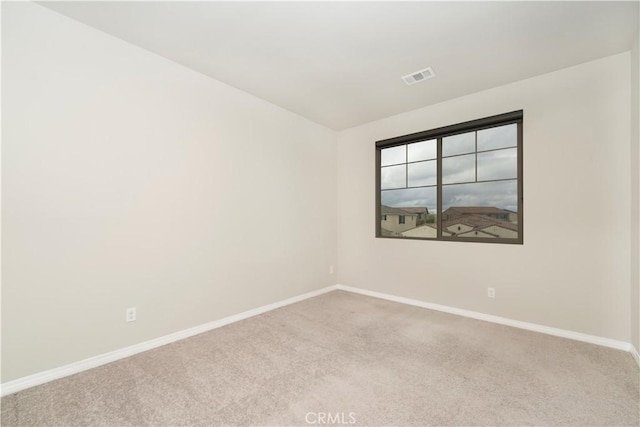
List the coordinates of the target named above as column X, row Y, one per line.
column 478, row 210
column 387, row 233
column 470, row 233
column 431, row 225
column 388, row 210
column 416, row 210
column 480, row 222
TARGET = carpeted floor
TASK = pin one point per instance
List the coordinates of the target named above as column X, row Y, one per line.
column 342, row 358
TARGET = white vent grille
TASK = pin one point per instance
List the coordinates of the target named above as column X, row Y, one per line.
column 418, row 76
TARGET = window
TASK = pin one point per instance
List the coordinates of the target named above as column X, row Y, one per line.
column 467, row 177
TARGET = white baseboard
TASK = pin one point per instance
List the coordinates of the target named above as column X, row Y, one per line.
column 93, row 362
column 634, row 353
column 606, row 342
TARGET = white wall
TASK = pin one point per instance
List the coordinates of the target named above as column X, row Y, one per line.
column 635, row 193
column 129, row 180
column 576, row 178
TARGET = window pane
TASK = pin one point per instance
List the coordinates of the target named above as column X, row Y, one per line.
column 393, row 155
column 498, row 137
column 459, row 144
column 425, row 150
column 499, row 164
column 482, row 210
column 393, row 177
column 422, row 173
column 459, row 169
column 416, row 205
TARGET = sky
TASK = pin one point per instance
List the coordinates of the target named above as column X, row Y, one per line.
column 409, row 172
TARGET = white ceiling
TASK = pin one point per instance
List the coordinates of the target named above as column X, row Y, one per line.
column 339, row 64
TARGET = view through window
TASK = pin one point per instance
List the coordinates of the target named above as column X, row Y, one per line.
column 461, row 182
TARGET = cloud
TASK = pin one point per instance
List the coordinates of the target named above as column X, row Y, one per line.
column 422, row 173
column 500, row 164
column 498, row 137
column 412, row 197
column 500, row 194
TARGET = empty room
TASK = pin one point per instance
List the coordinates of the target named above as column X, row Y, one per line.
column 320, row 213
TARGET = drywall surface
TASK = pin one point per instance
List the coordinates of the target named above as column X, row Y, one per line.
column 131, row 181
column 635, row 193
column 573, row 271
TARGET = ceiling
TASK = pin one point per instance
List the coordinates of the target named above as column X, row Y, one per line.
column 339, row 63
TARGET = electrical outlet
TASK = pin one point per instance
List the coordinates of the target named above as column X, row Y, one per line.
column 491, row 292
column 131, row 314
column 331, row 269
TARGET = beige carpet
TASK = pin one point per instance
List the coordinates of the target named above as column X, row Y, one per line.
column 342, row 358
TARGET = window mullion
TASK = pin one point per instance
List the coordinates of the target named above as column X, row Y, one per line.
column 475, row 134
column 406, row 166
column 439, row 189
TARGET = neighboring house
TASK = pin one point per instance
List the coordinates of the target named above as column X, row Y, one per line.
column 469, row 222
column 477, row 233
column 480, row 226
column 507, row 231
column 425, row 231
column 421, row 213
column 396, row 220
column 488, row 211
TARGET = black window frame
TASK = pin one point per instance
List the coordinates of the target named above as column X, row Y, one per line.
column 516, row 117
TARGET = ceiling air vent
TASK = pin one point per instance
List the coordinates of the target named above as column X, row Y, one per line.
column 418, row 76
